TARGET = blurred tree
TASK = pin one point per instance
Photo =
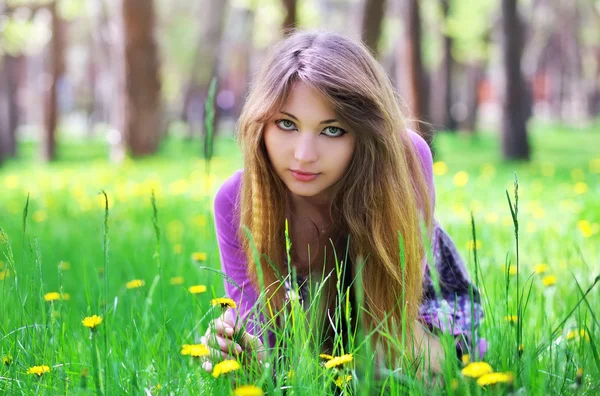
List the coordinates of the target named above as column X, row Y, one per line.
column 290, row 20
column 206, row 64
column 516, row 107
column 8, row 106
column 441, row 103
column 142, row 120
column 411, row 60
column 373, row 12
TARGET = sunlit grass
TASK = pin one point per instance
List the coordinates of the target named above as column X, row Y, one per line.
column 155, row 298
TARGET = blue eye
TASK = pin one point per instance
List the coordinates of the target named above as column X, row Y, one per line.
column 335, row 131
column 286, row 125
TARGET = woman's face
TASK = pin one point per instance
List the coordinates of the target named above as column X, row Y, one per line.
column 306, row 144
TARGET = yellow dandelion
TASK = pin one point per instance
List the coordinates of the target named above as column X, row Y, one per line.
column 38, row 370
column 178, row 248
column 4, row 274
column 585, row 228
column 512, row 270
column 224, row 367
column 197, row 289
column 495, row 378
column 466, row 358
column 248, row 390
column 199, row 256
column 325, row 356
column 343, row 380
column 339, row 360
column 7, row 360
column 177, row 280
column 476, row 369
column 52, row 296
column 472, row 245
column 64, row 266
column 576, row 334
column 195, row 350
column 223, row 302
column 580, row 188
column 541, row 268
column 454, row 384
column 440, row 168
column 488, row 171
column 491, row 218
column 549, row 280
column 134, row 284
column 39, row 216
column 461, row 179
column 511, row 318
column 91, row 321
column 595, row 165
column 291, row 374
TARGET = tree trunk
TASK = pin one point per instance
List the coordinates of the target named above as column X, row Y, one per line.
column 205, row 65
column 142, row 116
column 372, row 18
column 290, row 21
column 474, row 76
column 442, row 97
column 56, row 70
column 516, row 103
column 414, row 66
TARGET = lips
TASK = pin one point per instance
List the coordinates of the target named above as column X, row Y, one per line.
column 304, row 173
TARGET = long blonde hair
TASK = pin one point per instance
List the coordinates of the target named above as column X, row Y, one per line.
column 383, row 192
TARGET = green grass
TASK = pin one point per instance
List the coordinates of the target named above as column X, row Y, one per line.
column 138, row 344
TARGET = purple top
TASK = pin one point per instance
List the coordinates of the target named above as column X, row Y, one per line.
column 434, row 310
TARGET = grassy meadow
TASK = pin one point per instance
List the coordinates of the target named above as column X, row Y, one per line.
column 63, row 258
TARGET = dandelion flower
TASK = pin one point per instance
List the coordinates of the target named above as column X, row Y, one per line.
column 549, row 280
column 440, row 168
column 339, row 360
column 541, row 268
column 585, row 228
column 578, row 333
column 199, row 256
column 343, row 380
column 291, row 374
column 477, row 369
column 38, row 370
column 325, row 356
column 52, row 296
column 64, row 266
column 466, row 358
column 4, row 274
column 224, row 367
column 134, row 284
column 454, row 384
column 7, row 360
column 472, row 245
column 580, row 188
column 461, row 179
column 197, row 289
column 91, row 321
column 223, row 303
column 595, row 165
column 177, row 280
column 495, row 378
column 195, row 350
column 248, row 390
column 511, row 318
column 39, row 216
column 512, row 270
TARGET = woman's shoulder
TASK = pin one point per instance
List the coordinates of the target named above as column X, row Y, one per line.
column 228, row 193
column 420, row 145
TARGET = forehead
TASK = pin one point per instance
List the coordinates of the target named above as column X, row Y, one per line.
column 306, row 102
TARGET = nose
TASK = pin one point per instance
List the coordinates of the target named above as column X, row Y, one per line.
column 306, row 148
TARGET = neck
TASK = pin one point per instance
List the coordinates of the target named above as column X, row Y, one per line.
column 315, row 208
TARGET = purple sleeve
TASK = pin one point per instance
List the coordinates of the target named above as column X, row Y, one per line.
column 424, row 154
column 233, row 259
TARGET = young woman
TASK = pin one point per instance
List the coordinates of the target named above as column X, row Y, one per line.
column 325, row 146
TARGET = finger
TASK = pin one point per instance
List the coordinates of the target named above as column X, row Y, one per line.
column 221, row 327
column 223, row 344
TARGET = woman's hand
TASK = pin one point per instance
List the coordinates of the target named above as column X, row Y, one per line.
column 220, row 339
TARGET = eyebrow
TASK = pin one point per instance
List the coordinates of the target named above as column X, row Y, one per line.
column 320, row 123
